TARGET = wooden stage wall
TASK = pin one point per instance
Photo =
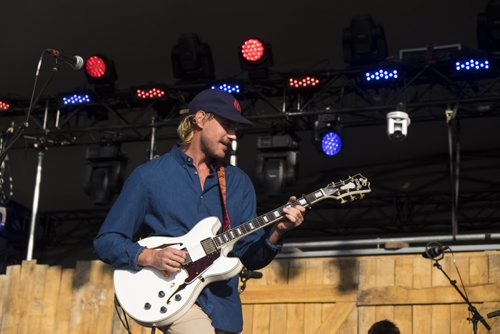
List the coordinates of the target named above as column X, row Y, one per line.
column 316, row 295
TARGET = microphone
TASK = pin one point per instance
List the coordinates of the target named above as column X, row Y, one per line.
column 434, row 250
column 76, row 62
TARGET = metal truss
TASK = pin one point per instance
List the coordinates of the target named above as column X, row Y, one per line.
column 422, row 208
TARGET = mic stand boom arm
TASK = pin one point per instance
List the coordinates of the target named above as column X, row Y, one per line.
column 476, row 316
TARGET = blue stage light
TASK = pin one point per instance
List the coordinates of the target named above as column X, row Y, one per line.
column 75, row 99
column 381, row 75
column 229, row 88
column 331, row 143
column 472, row 65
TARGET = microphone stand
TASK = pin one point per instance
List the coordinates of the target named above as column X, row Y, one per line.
column 476, row 316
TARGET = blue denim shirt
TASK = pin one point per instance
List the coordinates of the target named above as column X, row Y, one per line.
column 166, row 195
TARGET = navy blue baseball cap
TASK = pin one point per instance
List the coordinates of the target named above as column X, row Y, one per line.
column 219, row 103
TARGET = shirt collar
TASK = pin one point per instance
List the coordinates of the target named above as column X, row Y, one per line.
column 182, row 158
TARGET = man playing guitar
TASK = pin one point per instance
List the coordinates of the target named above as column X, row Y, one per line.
column 172, row 193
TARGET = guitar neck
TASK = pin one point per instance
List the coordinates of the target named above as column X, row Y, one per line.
column 266, row 219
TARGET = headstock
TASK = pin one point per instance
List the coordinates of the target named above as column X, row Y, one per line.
column 351, row 189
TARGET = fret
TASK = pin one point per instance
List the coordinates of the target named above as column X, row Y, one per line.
column 352, row 188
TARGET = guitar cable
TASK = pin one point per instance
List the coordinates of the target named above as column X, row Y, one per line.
column 123, row 320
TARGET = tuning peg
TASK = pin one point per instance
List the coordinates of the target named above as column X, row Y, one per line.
column 361, row 196
column 342, row 201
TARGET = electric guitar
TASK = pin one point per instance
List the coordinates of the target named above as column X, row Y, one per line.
column 156, row 298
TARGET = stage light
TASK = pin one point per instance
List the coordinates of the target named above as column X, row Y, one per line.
column 101, row 72
column 364, row 41
column 72, row 99
column 381, row 75
column 4, row 105
column 327, row 134
column 150, row 92
column 192, row 59
column 277, row 162
column 331, row 143
column 255, row 57
column 104, row 173
column 472, row 65
column 303, row 82
column 252, row 50
column 397, row 123
column 226, row 87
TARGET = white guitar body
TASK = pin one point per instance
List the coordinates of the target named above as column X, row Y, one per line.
column 152, row 298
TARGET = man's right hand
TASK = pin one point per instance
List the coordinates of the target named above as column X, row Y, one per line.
column 168, row 259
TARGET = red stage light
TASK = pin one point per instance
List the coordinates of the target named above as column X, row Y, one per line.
column 252, row 50
column 149, row 93
column 95, row 67
column 306, row 82
column 4, row 105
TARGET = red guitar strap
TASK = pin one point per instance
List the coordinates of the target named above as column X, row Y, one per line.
column 221, row 175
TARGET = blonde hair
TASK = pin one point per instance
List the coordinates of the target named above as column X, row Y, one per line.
column 186, row 127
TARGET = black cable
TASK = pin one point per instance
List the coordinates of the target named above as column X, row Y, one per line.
column 123, row 320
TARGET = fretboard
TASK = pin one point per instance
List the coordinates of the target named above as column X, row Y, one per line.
column 264, row 220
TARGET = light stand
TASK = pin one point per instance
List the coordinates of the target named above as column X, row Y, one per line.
column 476, row 316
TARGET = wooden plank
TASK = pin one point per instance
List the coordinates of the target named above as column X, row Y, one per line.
column 247, row 318
column 441, row 319
column 13, row 304
column 38, row 285
column 366, row 318
column 295, row 318
column 25, row 295
column 403, row 271
column 350, row 325
column 93, row 290
column 50, row 295
column 421, row 272
column 336, row 317
column 3, row 297
column 313, row 312
column 279, row 318
column 314, row 293
column 403, row 318
column 64, row 301
column 478, row 269
column 384, row 313
column 422, row 319
column 494, row 267
column 458, row 319
column 261, row 318
column 367, row 273
column 105, row 304
column 436, row 295
column 385, row 271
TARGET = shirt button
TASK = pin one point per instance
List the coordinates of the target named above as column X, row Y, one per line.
column 195, row 172
column 201, row 196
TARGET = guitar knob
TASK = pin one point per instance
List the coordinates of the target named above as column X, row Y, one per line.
column 161, row 294
column 178, row 297
column 163, row 309
column 147, row 306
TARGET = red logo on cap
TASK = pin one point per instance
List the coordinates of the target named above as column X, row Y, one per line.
column 237, row 105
